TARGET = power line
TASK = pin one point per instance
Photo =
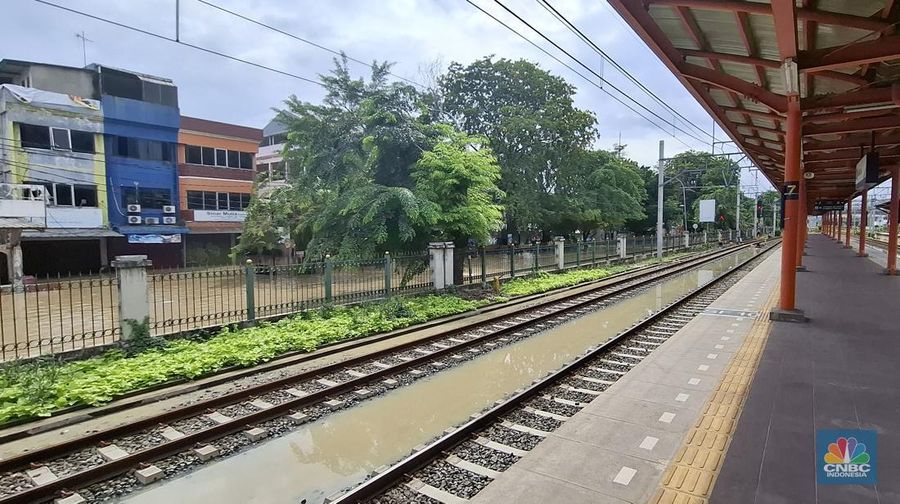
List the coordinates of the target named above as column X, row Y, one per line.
column 574, row 29
column 589, row 69
column 569, row 67
column 179, row 42
column 301, row 39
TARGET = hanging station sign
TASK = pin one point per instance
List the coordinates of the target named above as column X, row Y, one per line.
column 829, row 206
column 867, row 171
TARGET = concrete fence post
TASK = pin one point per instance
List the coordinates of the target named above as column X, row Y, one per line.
column 134, row 291
column 560, row 252
column 705, row 238
column 623, row 244
column 249, row 283
column 441, row 257
column 388, row 266
column 687, row 240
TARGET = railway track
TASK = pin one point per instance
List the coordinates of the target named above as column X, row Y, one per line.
column 459, row 464
column 268, row 409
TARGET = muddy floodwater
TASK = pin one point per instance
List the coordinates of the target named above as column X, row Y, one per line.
column 339, row 450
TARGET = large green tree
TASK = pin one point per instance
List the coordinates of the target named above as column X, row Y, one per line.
column 532, row 125
column 369, row 172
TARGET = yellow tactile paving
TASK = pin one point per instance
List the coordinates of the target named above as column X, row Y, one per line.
column 690, row 477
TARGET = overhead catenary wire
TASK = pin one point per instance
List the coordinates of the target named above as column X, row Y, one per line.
column 179, row 42
column 589, row 69
column 301, row 39
column 574, row 29
column 576, row 72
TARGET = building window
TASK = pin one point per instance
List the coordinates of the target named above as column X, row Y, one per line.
column 209, row 156
column 234, row 159
column 208, row 200
column 193, row 154
column 82, row 141
column 44, row 137
column 85, row 195
column 195, row 200
column 61, row 194
column 246, row 160
column 61, row 139
column 276, row 171
column 221, row 157
column 37, row 137
column 147, row 197
column 140, row 148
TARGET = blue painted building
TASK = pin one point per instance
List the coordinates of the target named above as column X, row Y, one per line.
column 141, row 120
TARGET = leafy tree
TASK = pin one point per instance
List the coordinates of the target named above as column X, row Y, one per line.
column 597, row 189
column 532, row 125
column 369, row 172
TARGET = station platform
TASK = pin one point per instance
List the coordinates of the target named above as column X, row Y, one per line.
column 726, row 411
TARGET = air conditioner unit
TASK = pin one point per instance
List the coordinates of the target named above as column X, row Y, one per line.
column 151, row 220
column 134, row 208
column 134, row 219
column 168, row 208
column 168, row 220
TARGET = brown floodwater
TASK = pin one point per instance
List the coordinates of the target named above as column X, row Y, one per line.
column 339, row 450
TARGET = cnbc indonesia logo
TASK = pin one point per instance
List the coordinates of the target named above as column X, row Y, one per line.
column 845, row 457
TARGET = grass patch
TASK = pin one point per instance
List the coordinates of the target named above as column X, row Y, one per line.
column 38, row 388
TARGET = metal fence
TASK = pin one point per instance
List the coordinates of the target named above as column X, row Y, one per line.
column 62, row 314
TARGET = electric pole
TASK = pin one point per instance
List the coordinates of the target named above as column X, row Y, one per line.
column 659, row 200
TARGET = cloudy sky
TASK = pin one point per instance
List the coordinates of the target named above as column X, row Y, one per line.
column 411, row 33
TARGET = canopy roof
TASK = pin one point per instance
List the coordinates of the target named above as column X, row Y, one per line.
column 729, row 55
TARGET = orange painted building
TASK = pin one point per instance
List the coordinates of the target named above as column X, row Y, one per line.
column 216, row 169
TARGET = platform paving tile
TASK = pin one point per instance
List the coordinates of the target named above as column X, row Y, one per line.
column 526, row 487
column 626, row 437
column 593, row 467
column 688, row 378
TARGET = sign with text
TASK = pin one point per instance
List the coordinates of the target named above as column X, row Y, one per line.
column 846, row 456
column 708, row 210
column 829, row 206
column 219, row 215
column 155, row 238
column 791, row 190
column 867, row 171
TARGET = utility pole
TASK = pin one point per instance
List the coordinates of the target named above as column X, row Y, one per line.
column 755, row 217
column 737, row 211
column 659, row 199
column 84, row 41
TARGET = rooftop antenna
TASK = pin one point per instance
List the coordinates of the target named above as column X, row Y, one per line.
column 84, row 41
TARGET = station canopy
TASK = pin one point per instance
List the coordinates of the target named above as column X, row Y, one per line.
column 844, row 59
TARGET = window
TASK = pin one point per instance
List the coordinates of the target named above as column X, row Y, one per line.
column 147, row 197
column 61, row 139
column 140, row 148
column 64, row 195
column 82, row 141
column 34, row 136
column 208, row 200
column 238, row 201
column 209, row 156
column 246, row 160
column 276, row 171
column 221, row 157
column 193, row 154
column 85, row 195
column 234, row 159
column 195, row 200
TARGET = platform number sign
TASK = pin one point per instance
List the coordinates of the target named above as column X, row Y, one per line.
column 791, row 191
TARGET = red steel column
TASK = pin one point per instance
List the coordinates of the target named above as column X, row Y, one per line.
column 791, row 207
column 892, row 223
column 840, row 226
column 849, row 223
column 863, row 220
column 801, row 224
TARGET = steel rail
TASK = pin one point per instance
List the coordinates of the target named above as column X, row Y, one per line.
column 105, row 470
column 396, row 473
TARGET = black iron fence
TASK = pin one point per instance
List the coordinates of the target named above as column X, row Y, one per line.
column 52, row 315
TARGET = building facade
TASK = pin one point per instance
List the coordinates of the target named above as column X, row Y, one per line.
column 54, row 141
column 141, row 121
column 216, row 173
column 270, row 164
